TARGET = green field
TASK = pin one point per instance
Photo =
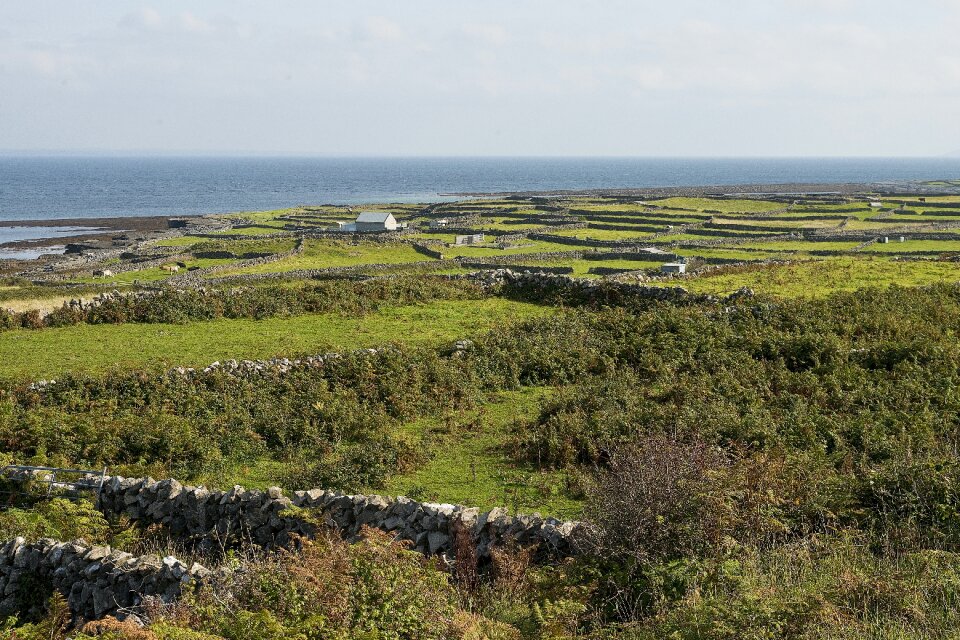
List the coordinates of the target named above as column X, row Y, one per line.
column 777, row 224
column 723, row 205
column 181, row 241
column 324, row 254
column 818, row 278
column 581, row 267
column 800, row 245
column 894, row 246
column 602, row 234
column 98, row 347
column 522, row 247
column 471, row 463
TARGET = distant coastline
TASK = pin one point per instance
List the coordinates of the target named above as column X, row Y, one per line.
column 48, row 188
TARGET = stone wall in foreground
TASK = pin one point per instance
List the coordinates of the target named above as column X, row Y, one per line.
column 96, row 581
column 271, row 519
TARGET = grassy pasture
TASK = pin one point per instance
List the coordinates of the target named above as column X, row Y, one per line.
column 524, row 246
column 907, row 246
column 256, row 230
column 99, row 347
column 241, row 247
column 723, row 205
column 471, row 464
column 324, row 254
column 725, row 253
column 181, row 241
column 930, row 199
column 776, row 223
column 581, row 267
column 151, row 274
column 801, row 245
column 874, row 225
column 818, row 278
column 602, row 234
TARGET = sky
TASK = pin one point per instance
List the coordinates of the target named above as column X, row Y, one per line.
column 490, row 77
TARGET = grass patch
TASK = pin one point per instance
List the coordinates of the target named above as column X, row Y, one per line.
column 470, row 463
column 818, row 278
column 152, row 274
column 180, row 241
column 602, row 234
column 325, row 254
column 728, row 254
column 581, row 267
column 525, row 246
column 99, row 347
column 723, row 205
column 778, row 224
column 907, row 246
column 801, row 245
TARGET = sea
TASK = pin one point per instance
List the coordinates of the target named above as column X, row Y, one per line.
column 41, row 188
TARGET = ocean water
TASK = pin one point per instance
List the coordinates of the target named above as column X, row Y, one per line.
column 39, row 188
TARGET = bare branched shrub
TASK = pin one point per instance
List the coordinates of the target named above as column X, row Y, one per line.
column 466, row 571
column 508, row 569
column 656, row 502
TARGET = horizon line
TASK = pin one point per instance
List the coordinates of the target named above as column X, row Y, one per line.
column 147, row 153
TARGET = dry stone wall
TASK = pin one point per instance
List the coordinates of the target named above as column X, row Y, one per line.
column 271, row 519
column 96, row 581
column 539, row 285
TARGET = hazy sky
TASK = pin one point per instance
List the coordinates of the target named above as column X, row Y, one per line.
column 452, row 77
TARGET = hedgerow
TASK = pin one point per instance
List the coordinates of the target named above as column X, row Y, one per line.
column 179, row 305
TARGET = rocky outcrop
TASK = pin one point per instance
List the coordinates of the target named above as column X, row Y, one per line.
column 95, row 580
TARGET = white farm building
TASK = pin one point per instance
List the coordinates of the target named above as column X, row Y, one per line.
column 375, row 221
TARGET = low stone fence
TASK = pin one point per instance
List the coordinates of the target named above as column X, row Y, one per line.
column 503, row 260
column 954, row 211
column 780, row 217
column 581, row 242
column 639, row 218
column 803, row 209
column 612, row 271
column 96, row 581
column 732, row 233
column 863, row 236
column 930, row 205
column 625, row 227
column 516, row 267
column 427, row 251
column 271, row 519
column 353, row 272
column 626, row 255
column 545, row 285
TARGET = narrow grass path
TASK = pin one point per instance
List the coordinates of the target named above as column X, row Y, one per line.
column 46, row 353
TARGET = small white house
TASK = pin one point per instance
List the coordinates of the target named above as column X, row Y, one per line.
column 375, row 221
column 474, row 238
column 439, row 224
column 673, row 267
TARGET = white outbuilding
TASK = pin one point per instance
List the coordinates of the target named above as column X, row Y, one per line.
column 673, row 267
column 375, row 221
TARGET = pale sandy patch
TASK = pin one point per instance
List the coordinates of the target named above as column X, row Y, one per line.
column 43, row 305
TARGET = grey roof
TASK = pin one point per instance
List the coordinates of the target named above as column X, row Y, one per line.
column 374, row 216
